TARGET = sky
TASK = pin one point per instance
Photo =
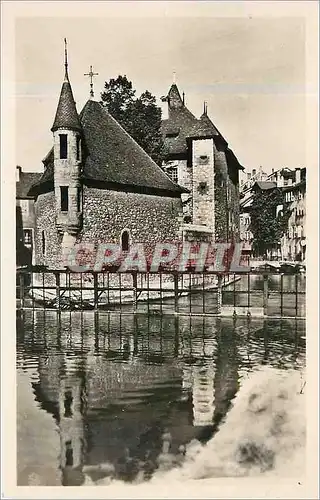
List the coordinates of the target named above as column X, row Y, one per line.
column 250, row 70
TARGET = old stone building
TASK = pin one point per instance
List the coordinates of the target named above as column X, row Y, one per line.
column 292, row 182
column 197, row 157
column 293, row 242
column 25, row 217
column 99, row 186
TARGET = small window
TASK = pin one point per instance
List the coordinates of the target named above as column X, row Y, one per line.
column 69, row 454
column 79, row 200
column 27, row 236
column 203, row 187
column 63, row 146
column 204, row 159
column 78, row 147
column 172, row 134
column 125, row 241
column 43, row 237
column 173, row 173
column 64, row 192
column 68, row 399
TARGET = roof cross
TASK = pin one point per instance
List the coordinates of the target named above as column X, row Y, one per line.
column 91, row 74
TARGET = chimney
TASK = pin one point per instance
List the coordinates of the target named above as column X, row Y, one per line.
column 272, row 170
column 298, row 175
column 254, row 172
column 280, row 180
column 18, row 173
column 248, row 176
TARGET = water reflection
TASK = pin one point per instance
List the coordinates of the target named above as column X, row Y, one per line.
column 123, row 390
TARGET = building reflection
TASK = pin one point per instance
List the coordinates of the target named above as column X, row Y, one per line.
column 125, row 390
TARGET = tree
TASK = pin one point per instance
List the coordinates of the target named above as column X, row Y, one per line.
column 266, row 226
column 140, row 117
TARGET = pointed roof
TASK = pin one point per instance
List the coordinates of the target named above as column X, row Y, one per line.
column 176, row 128
column 66, row 114
column 174, row 98
column 25, row 183
column 204, row 128
column 113, row 158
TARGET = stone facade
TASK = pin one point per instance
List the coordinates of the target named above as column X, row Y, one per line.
column 67, row 175
column 203, row 183
column 179, row 171
column 198, row 158
column 106, row 214
column 293, row 242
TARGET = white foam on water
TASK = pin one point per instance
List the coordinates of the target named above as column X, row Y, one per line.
column 264, row 434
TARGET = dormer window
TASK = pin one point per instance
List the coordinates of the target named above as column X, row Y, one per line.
column 172, row 172
column 63, row 146
column 172, row 133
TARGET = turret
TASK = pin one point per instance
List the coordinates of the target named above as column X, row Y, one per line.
column 67, row 160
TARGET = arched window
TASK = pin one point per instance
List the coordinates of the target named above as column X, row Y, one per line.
column 125, row 241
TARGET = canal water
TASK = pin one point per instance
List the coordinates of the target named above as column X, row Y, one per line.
column 105, row 395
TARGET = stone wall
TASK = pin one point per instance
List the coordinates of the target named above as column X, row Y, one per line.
column 226, row 201
column 184, row 180
column 45, row 208
column 148, row 218
column 220, row 191
column 203, row 183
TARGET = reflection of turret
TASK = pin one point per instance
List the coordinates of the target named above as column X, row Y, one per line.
column 61, row 391
column 226, row 382
column 72, row 436
column 203, row 395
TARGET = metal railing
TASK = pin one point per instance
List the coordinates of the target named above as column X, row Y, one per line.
column 257, row 293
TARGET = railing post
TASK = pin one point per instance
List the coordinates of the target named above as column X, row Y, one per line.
column 95, row 291
column 135, row 295
column 21, row 282
column 176, row 292
column 58, row 289
column 296, row 292
column 281, row 295
column 265, row 294
column 219, row 293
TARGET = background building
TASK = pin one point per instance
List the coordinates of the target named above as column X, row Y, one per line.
column 293, row 242
column 197, row 157
column 25, row 216
column 293, row 186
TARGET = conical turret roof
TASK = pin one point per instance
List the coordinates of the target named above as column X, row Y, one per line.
column 66, row 114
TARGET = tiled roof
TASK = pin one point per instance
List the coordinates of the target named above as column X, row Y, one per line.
column 176, row 128
column 66, row 114
column 112, row 156
column 204, row 128
column 26, row 181
column 265, row 185
column 232, row 160
column 181, row 121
